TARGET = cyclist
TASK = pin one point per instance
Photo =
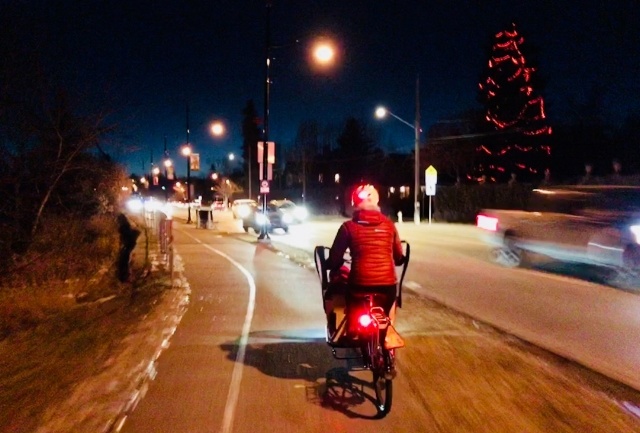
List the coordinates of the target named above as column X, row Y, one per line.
column 375, row 249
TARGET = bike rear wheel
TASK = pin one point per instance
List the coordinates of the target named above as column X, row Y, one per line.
column 382, row 381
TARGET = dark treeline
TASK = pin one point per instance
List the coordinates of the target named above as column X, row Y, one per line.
column 54, row 175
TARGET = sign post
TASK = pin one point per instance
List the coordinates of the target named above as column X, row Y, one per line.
column 430, row 181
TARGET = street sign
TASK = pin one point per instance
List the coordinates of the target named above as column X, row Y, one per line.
column 194, row 162
column 264, row 187
column 431, row 189
column 430, row 175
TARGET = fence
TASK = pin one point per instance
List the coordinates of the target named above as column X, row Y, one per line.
column 162, row 226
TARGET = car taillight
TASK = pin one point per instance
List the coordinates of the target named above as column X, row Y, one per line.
column 487, row 222
column 365, row 320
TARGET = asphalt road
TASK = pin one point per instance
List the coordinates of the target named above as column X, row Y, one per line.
column 251, row 306
column 249, row 354
column 593, row 324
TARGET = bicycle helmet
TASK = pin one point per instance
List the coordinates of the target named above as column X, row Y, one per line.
column 365, row 196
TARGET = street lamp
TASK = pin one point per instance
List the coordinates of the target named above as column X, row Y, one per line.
column 217, row 128
column 186, row 151
column 323, row 54
column 382, row 112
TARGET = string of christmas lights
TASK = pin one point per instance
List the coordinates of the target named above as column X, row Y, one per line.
column 508, row 92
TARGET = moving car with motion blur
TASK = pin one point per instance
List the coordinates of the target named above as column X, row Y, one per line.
column 595, row 225
column 273, row 219
column 241, row 208
column 292, row 212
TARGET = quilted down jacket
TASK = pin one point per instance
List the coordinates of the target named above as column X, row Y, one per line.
column 374, row 246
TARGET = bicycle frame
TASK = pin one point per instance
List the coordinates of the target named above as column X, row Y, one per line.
column 362, row 326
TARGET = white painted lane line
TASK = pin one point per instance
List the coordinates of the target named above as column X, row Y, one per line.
column 236, row 375
column 412, row 285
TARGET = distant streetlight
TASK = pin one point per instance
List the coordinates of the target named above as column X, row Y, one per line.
column 217, row 128
column 186, row 151
column 231, row 157
column 381, row 112
column 322, row 53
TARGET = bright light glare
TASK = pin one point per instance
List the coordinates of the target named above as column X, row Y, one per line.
column 287, row 218
column 231, row 157
column 186, row 151
column 381, row 112
column 151, row 205
column 217, row 129
column 636, row 232
column 324, row 53
column 135, row 205
column 487, row 223
column 261, row 219
column 301, row 213
column 365, row 320
column 244, row 211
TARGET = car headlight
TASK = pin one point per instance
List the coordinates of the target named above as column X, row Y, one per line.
column 301, row 212
column 261, row 219
column 287, row 218
column 135, row 205
column 635, row 229
column 243, row 211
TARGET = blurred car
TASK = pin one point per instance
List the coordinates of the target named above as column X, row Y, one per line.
column 241, row 208
column 594, row 225
column 218, row 204
column 273, row 219
column 293, row 213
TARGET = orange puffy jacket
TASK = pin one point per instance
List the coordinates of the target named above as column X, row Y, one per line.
column 374, row 246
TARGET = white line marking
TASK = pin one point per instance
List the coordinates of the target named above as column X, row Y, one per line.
column 412, row 285
column 236, row 376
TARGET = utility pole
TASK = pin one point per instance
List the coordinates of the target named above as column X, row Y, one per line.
column 165, row 183
column 188, row 171
column 416, row 180
column 264, row 233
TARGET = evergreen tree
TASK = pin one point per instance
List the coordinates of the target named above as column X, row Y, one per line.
column 250, row 137
column 510, row 93
column 452, row 146
column 357, row 159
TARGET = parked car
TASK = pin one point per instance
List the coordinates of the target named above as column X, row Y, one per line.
column 595, row 225
column 293, row 213
column 242, row 207
column 273, row 219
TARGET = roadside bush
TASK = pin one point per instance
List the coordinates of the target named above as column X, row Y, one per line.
column 461, row 203
column 67, row 259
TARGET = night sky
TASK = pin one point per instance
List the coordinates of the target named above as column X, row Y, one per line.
column 146, row 60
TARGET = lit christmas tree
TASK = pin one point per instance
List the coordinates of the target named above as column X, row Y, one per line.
column 509, row 91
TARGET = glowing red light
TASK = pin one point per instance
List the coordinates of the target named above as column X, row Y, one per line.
column 365, row 320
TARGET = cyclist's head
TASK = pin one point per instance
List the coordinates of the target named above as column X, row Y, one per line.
column 365, row 196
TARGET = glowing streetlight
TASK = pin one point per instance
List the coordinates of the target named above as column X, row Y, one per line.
column 231, row 157
column 217, row 128
column 381, row 112
column 323, row 53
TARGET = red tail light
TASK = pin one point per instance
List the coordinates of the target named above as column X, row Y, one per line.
column 487, row 222
column 365, row 320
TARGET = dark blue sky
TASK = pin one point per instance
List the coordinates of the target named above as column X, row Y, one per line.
column 147, row 59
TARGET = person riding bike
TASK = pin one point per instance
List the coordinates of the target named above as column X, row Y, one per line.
column 375, row 249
